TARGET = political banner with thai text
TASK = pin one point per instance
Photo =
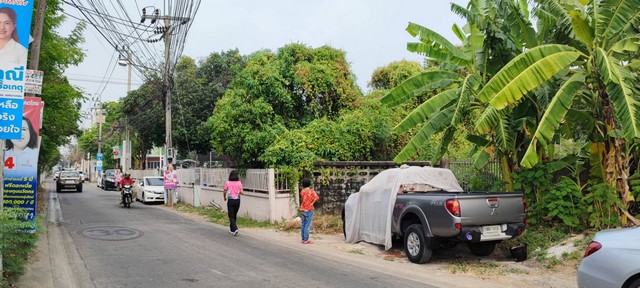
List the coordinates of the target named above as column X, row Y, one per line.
column 15, row 35
column 21, row 162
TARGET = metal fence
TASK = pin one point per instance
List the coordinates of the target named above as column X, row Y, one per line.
column 254, row 180
column 487, row 178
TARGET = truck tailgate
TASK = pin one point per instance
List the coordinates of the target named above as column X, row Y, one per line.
column 480, row 208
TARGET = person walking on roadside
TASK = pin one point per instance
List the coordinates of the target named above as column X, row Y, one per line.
column 308, row 197
column 170, row 185
column 117, row 178
column 232, row 190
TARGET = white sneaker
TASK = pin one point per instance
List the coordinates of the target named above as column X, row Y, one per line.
column 235, row 233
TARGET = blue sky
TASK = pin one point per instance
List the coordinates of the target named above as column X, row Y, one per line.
column 371, row 32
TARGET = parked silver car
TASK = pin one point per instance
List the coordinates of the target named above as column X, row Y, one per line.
column 612, row 260
column 69, row 180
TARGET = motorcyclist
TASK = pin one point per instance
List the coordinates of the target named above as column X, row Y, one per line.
column 126, row 180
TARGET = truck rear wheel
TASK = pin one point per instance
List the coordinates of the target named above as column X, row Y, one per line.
column 415, row 245
column 482, row 248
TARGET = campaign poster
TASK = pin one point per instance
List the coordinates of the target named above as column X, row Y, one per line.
column 15, row 35
column 21, row 162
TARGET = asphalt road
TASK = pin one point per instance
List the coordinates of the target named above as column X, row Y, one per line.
column 149, row 246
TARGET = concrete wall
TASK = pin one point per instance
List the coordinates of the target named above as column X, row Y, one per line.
column 273, row 206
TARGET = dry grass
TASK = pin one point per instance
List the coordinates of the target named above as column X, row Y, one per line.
column 483, row 268
column 323, row 224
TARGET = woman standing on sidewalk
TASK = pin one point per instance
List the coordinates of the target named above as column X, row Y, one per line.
column 233, row 188
column 308, row 196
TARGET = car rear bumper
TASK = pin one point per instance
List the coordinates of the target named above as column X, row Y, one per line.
column 68, row 185
column 474, row 234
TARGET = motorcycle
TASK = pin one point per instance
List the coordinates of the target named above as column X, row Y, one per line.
column 127, row 195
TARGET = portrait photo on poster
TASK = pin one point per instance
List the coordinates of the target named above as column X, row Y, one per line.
column 13, row 45
column 21, row 155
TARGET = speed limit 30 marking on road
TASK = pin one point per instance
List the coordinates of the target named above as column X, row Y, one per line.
column 111, row 233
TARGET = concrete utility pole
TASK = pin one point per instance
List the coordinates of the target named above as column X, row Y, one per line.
column 34, row 50
column 170, row 155
column 167, row 71
column 126, row 160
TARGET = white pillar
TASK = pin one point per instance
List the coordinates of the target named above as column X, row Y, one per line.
column 271, row 183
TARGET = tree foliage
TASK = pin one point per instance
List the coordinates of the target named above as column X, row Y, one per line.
column 280, row 91
column 62, row 101
column 197, row 88
column 391, row 75
column 363, row 134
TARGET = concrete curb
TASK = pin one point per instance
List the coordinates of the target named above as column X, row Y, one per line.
column 56, row 263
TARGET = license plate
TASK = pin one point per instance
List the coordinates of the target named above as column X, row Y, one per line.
column 491, row 230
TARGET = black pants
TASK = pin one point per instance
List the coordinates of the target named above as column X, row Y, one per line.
column 233, row 205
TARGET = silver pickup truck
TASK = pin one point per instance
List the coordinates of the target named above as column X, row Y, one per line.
column 426, row 207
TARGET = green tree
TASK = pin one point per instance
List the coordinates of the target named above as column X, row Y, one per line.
column 277, row 92
column 363, row 134
column 145, row 116
column 62, row 101
column 595, row 70
column 391, row 75
column 197, row 88
column 496, row 31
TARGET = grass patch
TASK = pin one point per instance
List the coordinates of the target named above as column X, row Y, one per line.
column 482, row 268
column 356, row 251
column 220, row 217
column 324, row 224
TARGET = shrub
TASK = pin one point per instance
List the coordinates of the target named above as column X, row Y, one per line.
column 15, row 245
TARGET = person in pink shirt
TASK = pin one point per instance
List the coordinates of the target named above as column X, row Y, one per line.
column 170, row 184
column 232, row 190
column 308, row 196
column 117, row 178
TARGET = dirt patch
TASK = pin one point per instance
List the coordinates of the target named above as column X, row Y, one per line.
column 455, row 267
column 496, row 270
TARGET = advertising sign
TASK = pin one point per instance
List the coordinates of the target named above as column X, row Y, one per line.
column 33, row 81
column 11, row 118
column 117, row 152
column 16, row 18
column 21, row 161
column 99, row 159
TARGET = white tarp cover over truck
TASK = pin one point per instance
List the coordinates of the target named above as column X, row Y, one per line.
column 368, row 213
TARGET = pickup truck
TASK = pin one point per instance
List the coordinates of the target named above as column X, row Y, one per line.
column 429, row 210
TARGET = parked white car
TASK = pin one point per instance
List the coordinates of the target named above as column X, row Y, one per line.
column 150, row 189
column 611, row 260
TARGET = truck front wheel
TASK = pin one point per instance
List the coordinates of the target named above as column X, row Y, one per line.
column 482, row 248
column 415, row 245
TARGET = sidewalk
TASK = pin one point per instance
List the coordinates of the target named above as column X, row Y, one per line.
column 51, row 266
column 38, row 271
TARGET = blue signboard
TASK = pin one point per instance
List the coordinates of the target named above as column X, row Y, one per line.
column 21, row 163
column 16, row 18
column 99, row 162
column 11, row 110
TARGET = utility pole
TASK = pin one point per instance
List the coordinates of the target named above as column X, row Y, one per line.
column 34, row 50
column 125, row 159
column 100, row 119
column 167, row 78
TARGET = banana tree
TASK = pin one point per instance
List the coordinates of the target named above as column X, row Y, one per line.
column 496, row 31
column 597, row 60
